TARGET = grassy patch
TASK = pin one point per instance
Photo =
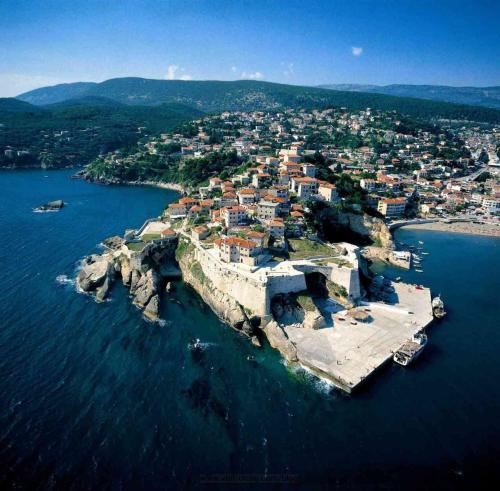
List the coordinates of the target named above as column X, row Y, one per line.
column 305, row 300
column 197, row 272
column 136, row 246
column 183, row 247
column 336, row 289
column 305, row 248
column 150, row 237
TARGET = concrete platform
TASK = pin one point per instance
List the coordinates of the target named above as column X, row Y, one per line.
column 347, row 354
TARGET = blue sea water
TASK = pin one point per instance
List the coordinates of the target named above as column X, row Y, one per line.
column 94, row 397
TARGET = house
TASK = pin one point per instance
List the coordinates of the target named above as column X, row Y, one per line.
column 199, row 233
column 233, row 215
column 328, row 192
column 305, row 187
column 276, row 229
column 246, row 196
column 168, row 233
column 177, row 210
column 214, row 182
column 260, row 179
column 369, row 184
column 491, row 205
column 257, row 237
column 229, row 199
column 267, row 210
column 392, row 206
column 309, row 170
column 238, row 250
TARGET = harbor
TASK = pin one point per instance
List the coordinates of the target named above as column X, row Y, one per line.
column 347, row 354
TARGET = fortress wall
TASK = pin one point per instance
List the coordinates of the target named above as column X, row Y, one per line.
column 250, row 293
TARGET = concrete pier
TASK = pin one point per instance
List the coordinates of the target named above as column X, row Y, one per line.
column 347, row 354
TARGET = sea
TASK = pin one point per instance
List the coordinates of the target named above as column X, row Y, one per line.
column 93, row 396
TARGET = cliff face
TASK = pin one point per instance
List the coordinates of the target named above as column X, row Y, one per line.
column 140, row 272
column 222, row 304
column 367, row 226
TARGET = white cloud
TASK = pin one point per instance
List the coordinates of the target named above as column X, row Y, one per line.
column 173, row 73
column 233, row 69
column 356, row 51
column 252, row 75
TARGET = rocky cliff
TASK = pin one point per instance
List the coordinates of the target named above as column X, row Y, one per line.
column 367, row 226
column 141, row 272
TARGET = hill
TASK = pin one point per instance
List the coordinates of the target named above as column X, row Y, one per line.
column 216, row 96
column 477, row 96
column 76, row 131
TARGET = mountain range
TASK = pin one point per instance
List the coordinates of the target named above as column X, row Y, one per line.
column 244, row 95
column 476, row 96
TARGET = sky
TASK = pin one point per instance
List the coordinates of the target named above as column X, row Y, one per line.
column 310, row 42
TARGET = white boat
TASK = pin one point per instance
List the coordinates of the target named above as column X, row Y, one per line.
column 438, row 307
column 419, row 270
column 411, row 349
column 420, row 242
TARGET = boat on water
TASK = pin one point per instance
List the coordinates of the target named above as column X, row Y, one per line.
column 420, row 242
column 425, row 253
column 411, row 349
column 419, row 270
column 438, row 307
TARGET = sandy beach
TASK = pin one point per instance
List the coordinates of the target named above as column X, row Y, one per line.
column 492, row 230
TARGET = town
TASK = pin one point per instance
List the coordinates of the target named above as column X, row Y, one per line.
column 254, row 225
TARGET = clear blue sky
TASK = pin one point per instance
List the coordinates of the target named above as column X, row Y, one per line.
column 44, row 42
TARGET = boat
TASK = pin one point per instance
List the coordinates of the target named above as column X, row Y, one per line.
column 425, row 253
column 411, row 349
column 438, row 307
column 419, row 270
column 420, row 242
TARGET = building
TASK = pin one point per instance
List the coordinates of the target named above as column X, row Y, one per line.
column 491, row 205
column 199, row 233
column 276, row 229
column 309, row 170
column 304, row 187
column 177, row 210
column 238, row 250
column 233, row 215
column 328, row 192
column 267, row 210
column 392, row 207
column 246, row 196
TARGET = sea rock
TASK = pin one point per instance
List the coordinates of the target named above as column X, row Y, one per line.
column 146, row 287
column 255, row 341
column 135, row 277
column 279, row 340
column 51, row 206
column 95, row 269
column 152, row 308
column 125, row 271
column 103, row 290
column 114, row 243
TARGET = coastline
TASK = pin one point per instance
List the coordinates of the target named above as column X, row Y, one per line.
column 469, row 228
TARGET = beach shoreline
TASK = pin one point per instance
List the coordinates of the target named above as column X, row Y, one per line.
column 485, row 229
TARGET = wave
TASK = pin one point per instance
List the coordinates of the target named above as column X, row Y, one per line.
column 63, row 279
